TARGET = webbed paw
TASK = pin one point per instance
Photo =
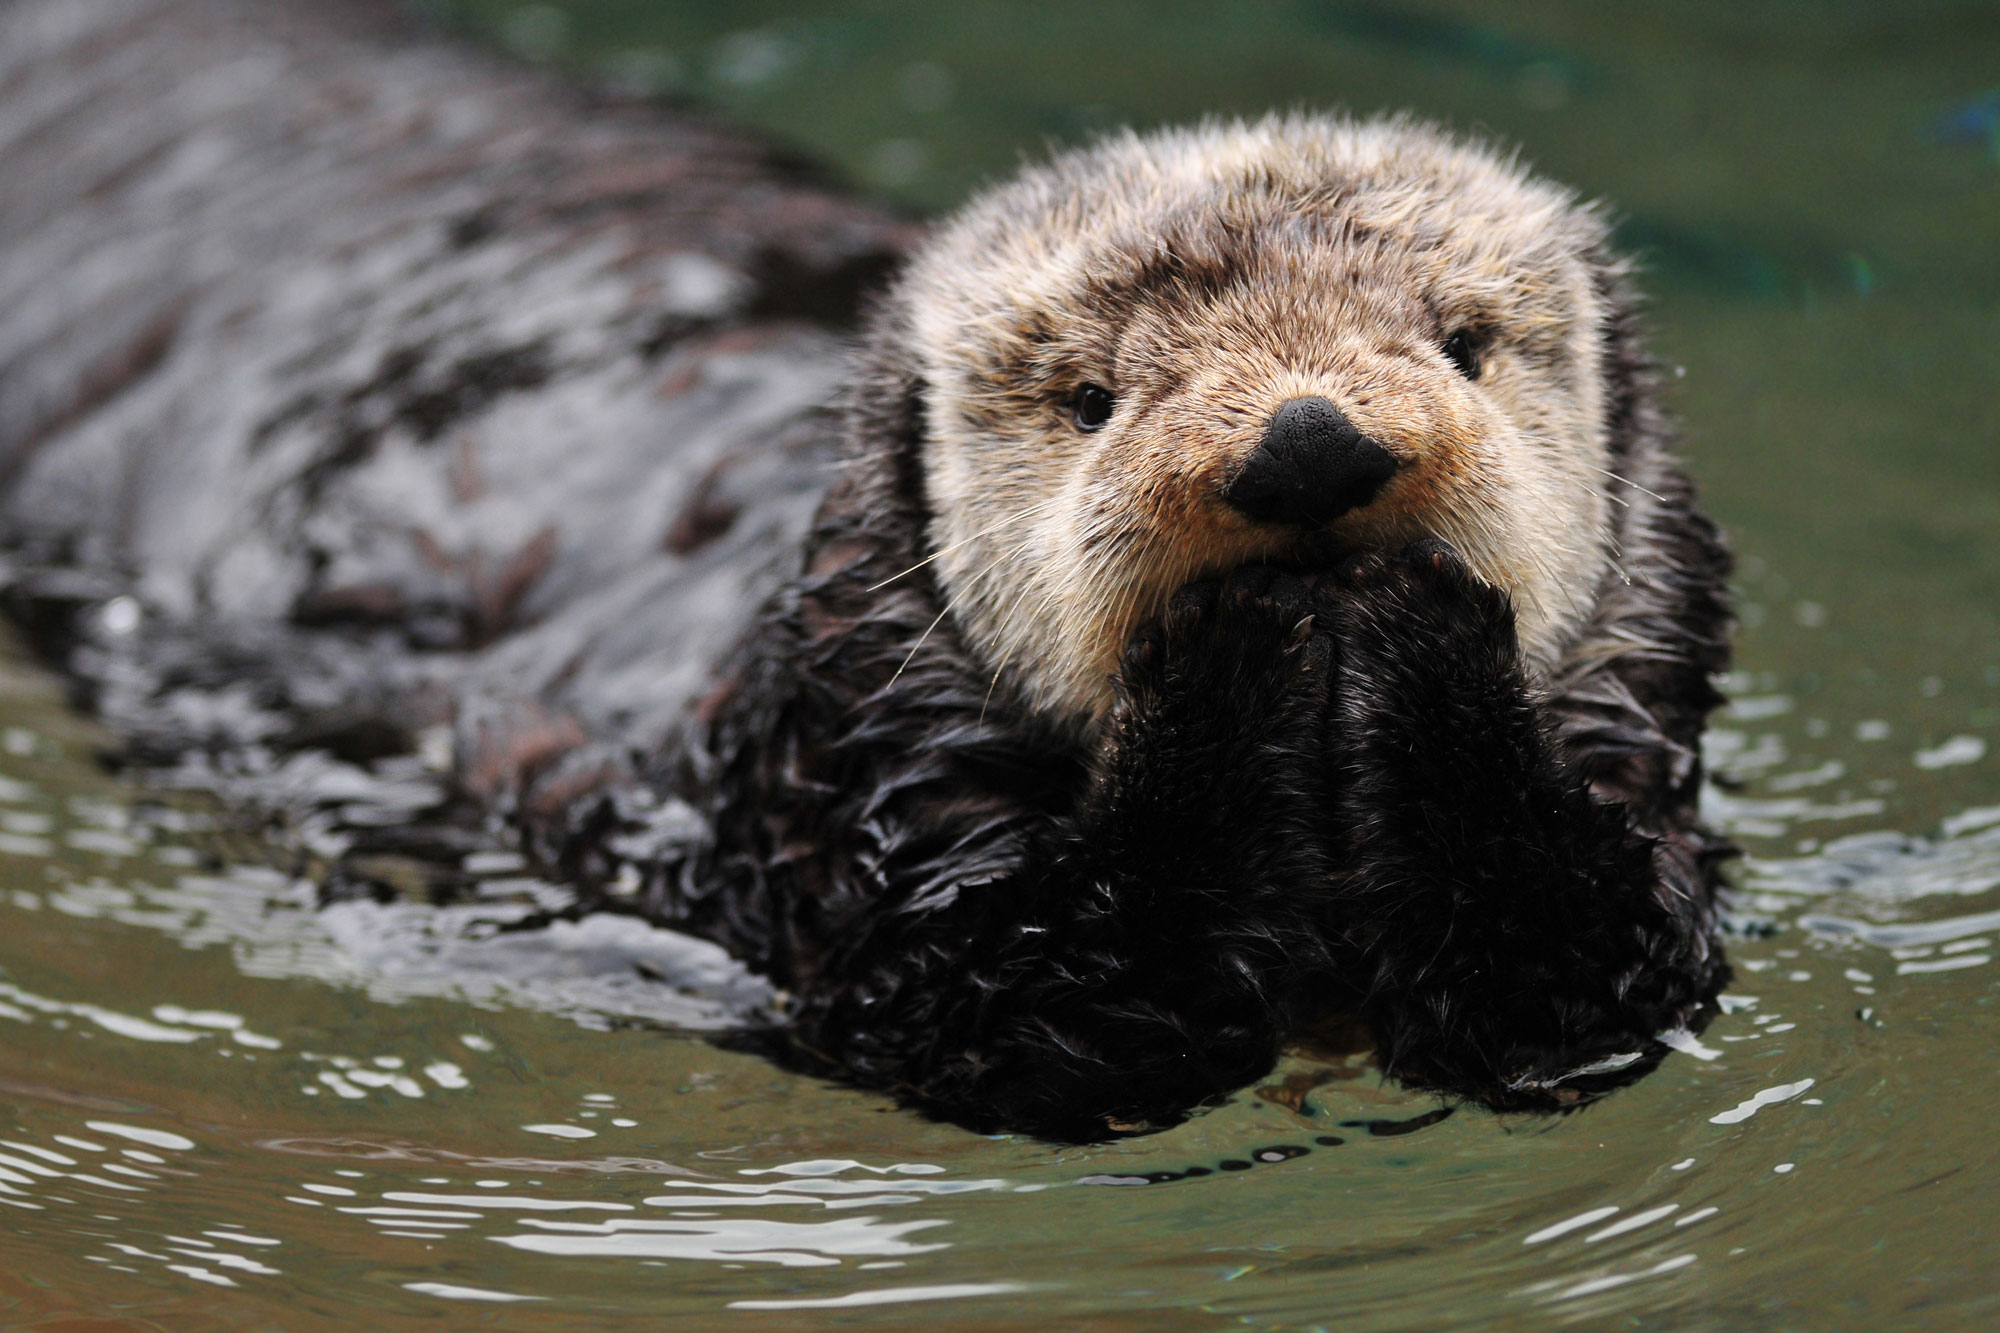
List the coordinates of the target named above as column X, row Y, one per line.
column 1237, row 656
column 1423, row 598
column 1429, row 665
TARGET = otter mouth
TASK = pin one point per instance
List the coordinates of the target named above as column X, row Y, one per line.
column 1316, row 558
column 1323, row 555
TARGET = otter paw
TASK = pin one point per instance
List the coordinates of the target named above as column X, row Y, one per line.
column 1421, row 599
column 1244, row 646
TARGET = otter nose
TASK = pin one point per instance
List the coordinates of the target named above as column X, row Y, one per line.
column 1311, row 467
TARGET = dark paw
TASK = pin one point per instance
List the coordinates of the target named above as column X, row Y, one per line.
column 1429, row 669
column 1430, row 561
column 1244, row 646
column 1425, row 598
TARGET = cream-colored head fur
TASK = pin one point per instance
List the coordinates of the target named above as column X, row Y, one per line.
column 1206, row 276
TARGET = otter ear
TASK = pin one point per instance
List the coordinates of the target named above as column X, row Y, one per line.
column 885, row 410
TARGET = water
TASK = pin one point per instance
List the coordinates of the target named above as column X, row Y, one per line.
column 221, row 1109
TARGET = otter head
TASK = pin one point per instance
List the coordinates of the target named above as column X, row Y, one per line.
column 1170, row 355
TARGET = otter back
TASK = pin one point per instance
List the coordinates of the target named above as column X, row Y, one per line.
column 353, row 385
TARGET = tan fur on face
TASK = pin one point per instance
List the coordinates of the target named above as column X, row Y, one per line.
column 1207, row 276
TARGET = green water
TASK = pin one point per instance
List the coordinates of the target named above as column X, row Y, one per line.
column 220, row 1109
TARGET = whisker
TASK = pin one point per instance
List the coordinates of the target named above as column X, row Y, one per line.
column 939, row 618
column 1011, row 519
column 911, row 657
column 1629, row 482
column 987, row 702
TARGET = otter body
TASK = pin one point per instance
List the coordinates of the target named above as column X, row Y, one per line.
column 1257, row 588
column 1254, row 586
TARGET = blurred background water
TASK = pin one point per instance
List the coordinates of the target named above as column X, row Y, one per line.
column 222, row 1109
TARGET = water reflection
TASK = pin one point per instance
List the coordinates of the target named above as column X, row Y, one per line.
column 818, row 1205
column 885, row 1296
column 700, row 1221
column 758, row 1240
column 35, row 1177
column 451, row 1291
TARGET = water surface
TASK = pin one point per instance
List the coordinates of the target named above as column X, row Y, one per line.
column 220, row 1108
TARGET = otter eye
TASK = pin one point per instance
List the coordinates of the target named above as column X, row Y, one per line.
column 1093, row 406
column 1463, row 351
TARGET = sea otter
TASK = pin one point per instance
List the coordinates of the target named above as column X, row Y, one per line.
column 1257, row 587
column 1254, row 587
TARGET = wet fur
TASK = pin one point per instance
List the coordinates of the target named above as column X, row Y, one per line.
column 1056, row 794
column 1024, row 902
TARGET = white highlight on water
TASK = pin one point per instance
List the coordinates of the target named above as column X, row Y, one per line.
column 1572, row 1224
column 1632, row 1223
column 1957, row 750
column 153, row 1138
column 888, row 1296
column 1784, row 1092
column 452, row 1292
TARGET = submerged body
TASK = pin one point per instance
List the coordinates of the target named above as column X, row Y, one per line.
column 1253, row 587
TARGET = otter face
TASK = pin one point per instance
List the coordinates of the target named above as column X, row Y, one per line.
column 1165, row 357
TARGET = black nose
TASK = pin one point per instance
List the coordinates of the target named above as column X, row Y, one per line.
column 1312, row 467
